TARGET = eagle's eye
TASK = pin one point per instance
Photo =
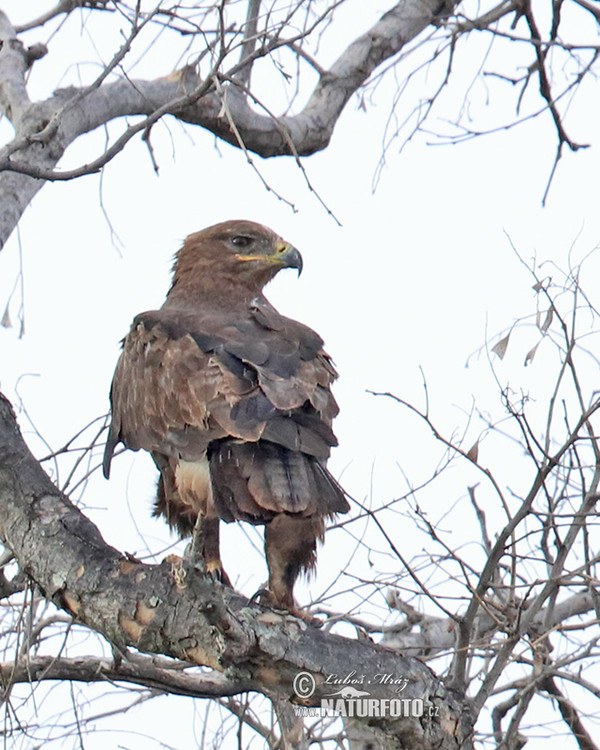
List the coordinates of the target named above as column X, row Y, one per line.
column 240, row 240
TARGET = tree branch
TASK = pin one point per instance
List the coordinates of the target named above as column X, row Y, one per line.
column 133, row 668
column 249, row 43
column 63, row 6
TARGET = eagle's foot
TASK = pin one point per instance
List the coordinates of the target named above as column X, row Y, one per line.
column 265, row 598
column 211, row 567
column 214, row 568
column 203, row 550
column 305, row 617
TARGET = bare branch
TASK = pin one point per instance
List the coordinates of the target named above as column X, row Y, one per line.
column 166, row 675
column 63, row 6
column 249, row 44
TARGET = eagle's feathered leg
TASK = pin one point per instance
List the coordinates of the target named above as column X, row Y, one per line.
column 290, row 548
column 182, row 514
column 204, row 549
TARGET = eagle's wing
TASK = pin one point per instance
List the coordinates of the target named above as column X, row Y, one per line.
column 249, row 390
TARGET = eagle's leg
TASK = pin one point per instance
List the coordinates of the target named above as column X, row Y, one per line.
column 290, row 548
column 204, row 548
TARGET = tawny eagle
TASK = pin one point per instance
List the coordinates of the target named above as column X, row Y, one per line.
column 233, row 401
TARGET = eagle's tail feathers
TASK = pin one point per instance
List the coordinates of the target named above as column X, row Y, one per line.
column 256, row 481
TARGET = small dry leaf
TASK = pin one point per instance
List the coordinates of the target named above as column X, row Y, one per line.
column 547, row 320
column 6, row 322
column 473, row 452
column 542, row 284
column 530, row 355
column 500, row 347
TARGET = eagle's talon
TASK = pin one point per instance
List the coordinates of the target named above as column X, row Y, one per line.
column 264, row 598
column 295, row 612
column 260, row 597
column 214, row 570
column 307, row 618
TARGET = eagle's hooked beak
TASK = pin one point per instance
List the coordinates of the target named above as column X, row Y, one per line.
column 284, row 256
column 287, row 256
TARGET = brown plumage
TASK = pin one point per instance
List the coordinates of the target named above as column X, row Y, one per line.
column 233, row 401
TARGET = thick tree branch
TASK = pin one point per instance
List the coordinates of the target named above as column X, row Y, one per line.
column 172, row 609
column 433, row 635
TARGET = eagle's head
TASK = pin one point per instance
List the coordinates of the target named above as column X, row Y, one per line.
column 236, row 253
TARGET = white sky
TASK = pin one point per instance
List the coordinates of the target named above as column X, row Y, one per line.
column 420, row 271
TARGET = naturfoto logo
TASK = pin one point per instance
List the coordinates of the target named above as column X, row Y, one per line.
column 351, row 697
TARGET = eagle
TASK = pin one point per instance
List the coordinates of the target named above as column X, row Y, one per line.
column 233, row 401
